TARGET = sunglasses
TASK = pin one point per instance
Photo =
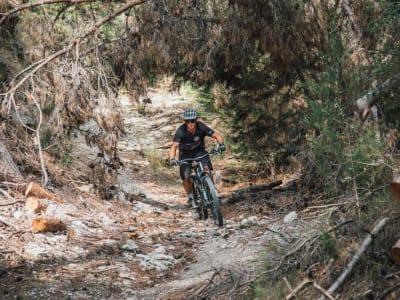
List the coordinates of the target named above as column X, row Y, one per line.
column 190, row 121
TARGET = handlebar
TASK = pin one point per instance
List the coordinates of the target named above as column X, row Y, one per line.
column 198, row 158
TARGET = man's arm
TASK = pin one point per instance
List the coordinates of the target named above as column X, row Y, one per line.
column 217, row 137
column 172, row 151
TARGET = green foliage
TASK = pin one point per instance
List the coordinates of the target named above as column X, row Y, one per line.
column 329, row 245
column 45, row 137
column 347, row 156
column 160, row 167
column 48, row 107
column 65, row 157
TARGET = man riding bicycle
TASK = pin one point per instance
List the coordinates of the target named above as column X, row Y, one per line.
column 189, row 139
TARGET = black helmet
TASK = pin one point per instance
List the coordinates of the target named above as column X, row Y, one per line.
column 190, row 114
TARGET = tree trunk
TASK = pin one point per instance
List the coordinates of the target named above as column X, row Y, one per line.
column 8, row 169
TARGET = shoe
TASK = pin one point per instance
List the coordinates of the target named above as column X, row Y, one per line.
column 191, row 203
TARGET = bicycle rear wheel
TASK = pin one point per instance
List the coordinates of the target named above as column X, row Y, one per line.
column 214, row 201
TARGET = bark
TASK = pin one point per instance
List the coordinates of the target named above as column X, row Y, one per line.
column 8, row 168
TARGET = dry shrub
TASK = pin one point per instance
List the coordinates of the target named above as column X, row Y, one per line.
column 220, row 95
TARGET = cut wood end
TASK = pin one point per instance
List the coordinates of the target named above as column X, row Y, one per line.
column 34, row 204
column 395, row 189
column 48, row 225
column 395, row 252
column 34, row 189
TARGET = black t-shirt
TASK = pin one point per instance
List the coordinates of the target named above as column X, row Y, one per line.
column 192, row 142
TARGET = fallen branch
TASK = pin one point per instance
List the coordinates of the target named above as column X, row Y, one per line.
column 311, row 240
column 290, row 287
column 12, row 203
column 355, row 258
column 2, row 220
column 298, row 288
column 323, row 291
column 325, row 206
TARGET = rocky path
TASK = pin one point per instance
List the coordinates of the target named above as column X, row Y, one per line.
column 144, row 244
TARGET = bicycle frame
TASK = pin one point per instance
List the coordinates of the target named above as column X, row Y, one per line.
column 202, row 183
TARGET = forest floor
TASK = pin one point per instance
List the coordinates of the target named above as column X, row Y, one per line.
column 145, row 243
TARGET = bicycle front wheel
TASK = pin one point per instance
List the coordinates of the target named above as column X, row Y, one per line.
column 214, row 201
column 201, row 209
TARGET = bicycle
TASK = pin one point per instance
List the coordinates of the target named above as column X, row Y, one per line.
column 204, row 191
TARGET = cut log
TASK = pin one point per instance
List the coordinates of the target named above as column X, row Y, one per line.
column 395, row 188
column 34, row 204
column 34, row 189
column 48, row 225
column 395, row 252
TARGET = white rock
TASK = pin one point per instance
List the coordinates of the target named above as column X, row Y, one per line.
column 250, row 221
column 290, row 217
column 130, row 245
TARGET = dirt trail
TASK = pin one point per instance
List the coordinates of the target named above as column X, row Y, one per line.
column 144, row 244
column 232, row 249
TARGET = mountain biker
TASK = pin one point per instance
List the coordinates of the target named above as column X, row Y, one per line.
column 189, row 139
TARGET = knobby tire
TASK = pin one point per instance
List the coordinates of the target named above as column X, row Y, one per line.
column 214, row 201
column 201, row 209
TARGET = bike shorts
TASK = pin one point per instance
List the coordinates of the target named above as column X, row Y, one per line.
column 184, row 169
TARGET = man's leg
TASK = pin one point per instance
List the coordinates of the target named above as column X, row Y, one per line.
column 186, row 186
column 185, row 175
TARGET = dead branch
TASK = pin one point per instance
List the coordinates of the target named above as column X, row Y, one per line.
column 40, row 3
column 355, row 258
column 2, row 220
column 325, row 206
column 12, row 203
column 5, row 194
column 72, row 44
column 365, row 102
column 323, row 291
column 37, row 132
column 300, row 246
column 298, row 288
column 290, row 287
